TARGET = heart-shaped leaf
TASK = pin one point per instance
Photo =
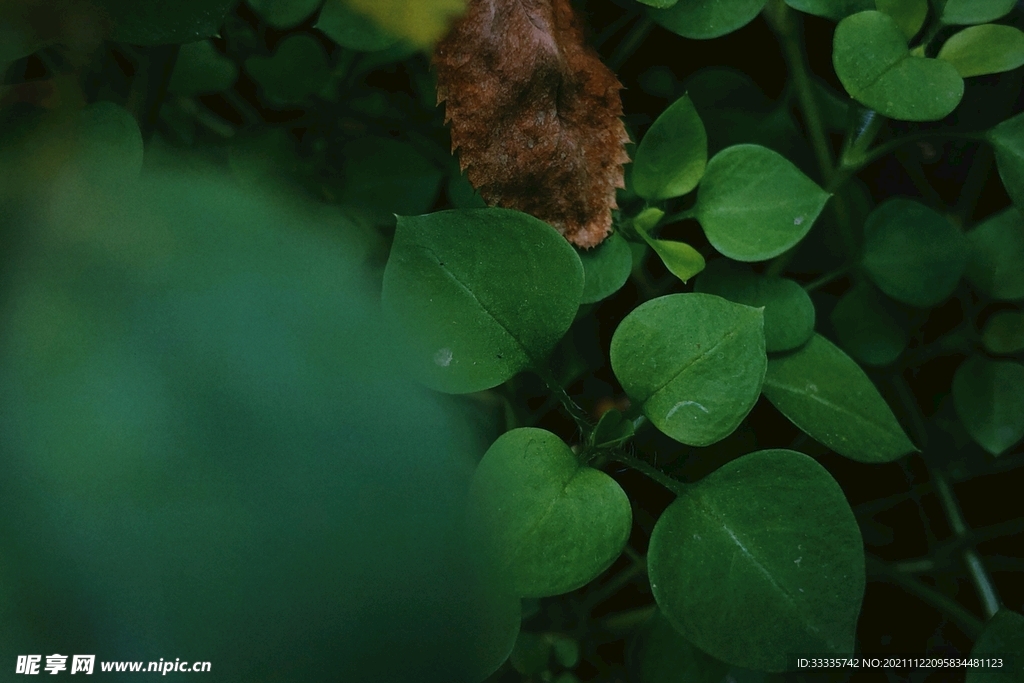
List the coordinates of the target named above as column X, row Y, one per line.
column 867, row 327
column 788, row 310
column 659, row 654
column 761, row 559
column 1004, row 333
column 871, row 58
column 703, row 20
column 913, row 253
column 909, row 15
column 693, row 362
column 672, row 155
column 486, row 292
column 284, row 14
column 989, row 398
column 200, row 69
column 1002, row 639
column 298, row 69
column 826, row 394
column 831, row 9
column 975, row 11
column 754, row 204
column 606, row 268
column 985, row 49
column 554, row 523
column 351, row 29
column 995, row 262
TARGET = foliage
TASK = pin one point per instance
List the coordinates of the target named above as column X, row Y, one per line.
column 633, row 423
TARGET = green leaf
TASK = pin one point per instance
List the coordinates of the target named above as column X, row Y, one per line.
column 606, row 268
column 661, row 655
column 989, row 398
column 788, row 310
column 297, row 69
column 826, row 394
column 554, row 523
column 867, row 328
column 612, row 430
column 109, row 148
column 284, row 14
column 201, row 69
column 975, row 11
column 870, row 56
column 831, row 9
column 156, row 22
column 1008, row 143
column 913, row 253
column 388, row 176
column 565, row 649
column 761, row 559
column 487, row 292
column 531, row 654
column 421, row 22
column 693, row 362
column 909, row 15
column 995, row 262
column 672, row 155
column 679, row 258
column 985, row 49
column 754, row 204
column 351, row 29
column 704, row 20
column 659, row 4
column 1003, row 638
column 1004, row 333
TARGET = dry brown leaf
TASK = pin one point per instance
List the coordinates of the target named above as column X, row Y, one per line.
column 534, row 114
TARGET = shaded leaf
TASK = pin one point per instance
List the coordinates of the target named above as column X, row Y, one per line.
column 1004, row 333
column 1008, row 143
column 554, row 523
column 284, row 14
column 388, row 176
column 703, row 20
column 660, row 654
column 754, row 204
column 975, row 11
column 826, row 394
column 985, row 49
column 297, row 69
column 612, row 430
column 909, row 15
column 606, row 268
column 486, row 292
column 1003, row 638
column 995, row 263
column 831, row 9
column 761, row 559
column 672, row 155
column 989, row 398
column 421, row 22
column 352, row 29
column 201, row 69
column 873, row 63
column 694, row 363
column 534, row 114
column 155, row 22
column 867, row 328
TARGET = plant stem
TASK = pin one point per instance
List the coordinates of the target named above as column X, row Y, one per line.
column 637, row 567
column 575, row 411
column 674, row 485
column 631, row 42
column 977, row 177
column 829, row 277
column 891, row 146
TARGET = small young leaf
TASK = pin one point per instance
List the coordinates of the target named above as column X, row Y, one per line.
column 612, row 430
column 995, row 262
column 488, row 292
column 284, row 14
column 679, row 258
column 1004, row 333
column 788, row 310
column 831, row 9
column 704, row 20
column 867, row 328
column 1003, row 638
column 985, row 49
column 672, row 155
column 913, row 253
column 297, row 69
column 554, row 523
column 975, row 11
column 201, row 69
column 1008, row 143
column 826, row 394
column 606, row 268
column 909, row 15
column 871, row 58
column 989, row 398
column 761, row 558
column 659, row 654
column 754, row 204
column 352, row 29
column 694, row 363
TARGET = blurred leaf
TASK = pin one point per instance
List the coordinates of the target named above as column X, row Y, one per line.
column 754, row 204
column 672, row 155
column 873, row 63
column 531, row 654
column 201, row 69
column 421, row 22
column 1003, row 638
column 284, row 14
column 660, row 4
column 554, row 523
column 989, row 398
column 693, row 362
column 826, row 394
column 297, row 70
column 867, row 328
column 566, row 650
column 155, row 22
column 913, row 253
column 1004, row 333
column 486, row 292
column 975, row 11
column 788, row 310
column 985, row 49
column 388, row 176
column 909, row 15
column 759, row 559
column 703, row 20
column 661, row 655
column 831, row 9
column 606, row 268
column 352, row 29
column 1008, row 143
column 995, row 263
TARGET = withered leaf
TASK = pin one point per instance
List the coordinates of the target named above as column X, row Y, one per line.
column 534, row 114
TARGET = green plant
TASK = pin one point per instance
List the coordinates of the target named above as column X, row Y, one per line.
column 680, row 417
